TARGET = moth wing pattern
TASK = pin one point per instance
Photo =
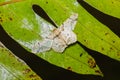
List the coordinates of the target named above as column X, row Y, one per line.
column 70, row 23
column 58, row 45
column 68, row 36
column 45, row 30
column 42, row 46
column 44, row 27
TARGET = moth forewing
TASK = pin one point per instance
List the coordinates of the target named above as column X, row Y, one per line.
column 58, row 45
column 44, row 27
column 66, row 29
column 42, row 46
column 70, row 23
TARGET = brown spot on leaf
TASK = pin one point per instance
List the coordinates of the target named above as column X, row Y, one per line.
column 69, row 68
column 10, row 19
column 26, row 71
column 32, row 75
column 102, row 48
column 11, row 55
column 46, row 2
column 106, row 33
column 118, row 54
column 98, row 71
column 91, row 63
column 111, row 48
column 81, row 54
column 85, row 40
column 1, row 20
column 13, row 63
column 113, row 41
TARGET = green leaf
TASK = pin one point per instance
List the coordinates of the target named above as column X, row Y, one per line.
column 20, row 22
column 12, row 68
column 110, row 7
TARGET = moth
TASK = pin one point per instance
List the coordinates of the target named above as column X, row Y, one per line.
column 56, row 38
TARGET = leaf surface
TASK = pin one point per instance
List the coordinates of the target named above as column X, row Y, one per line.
column 21, row 23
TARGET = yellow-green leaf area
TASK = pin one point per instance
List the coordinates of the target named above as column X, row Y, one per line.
column 12, row 68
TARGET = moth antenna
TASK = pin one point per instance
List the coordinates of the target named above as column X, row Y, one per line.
column 38, row 10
